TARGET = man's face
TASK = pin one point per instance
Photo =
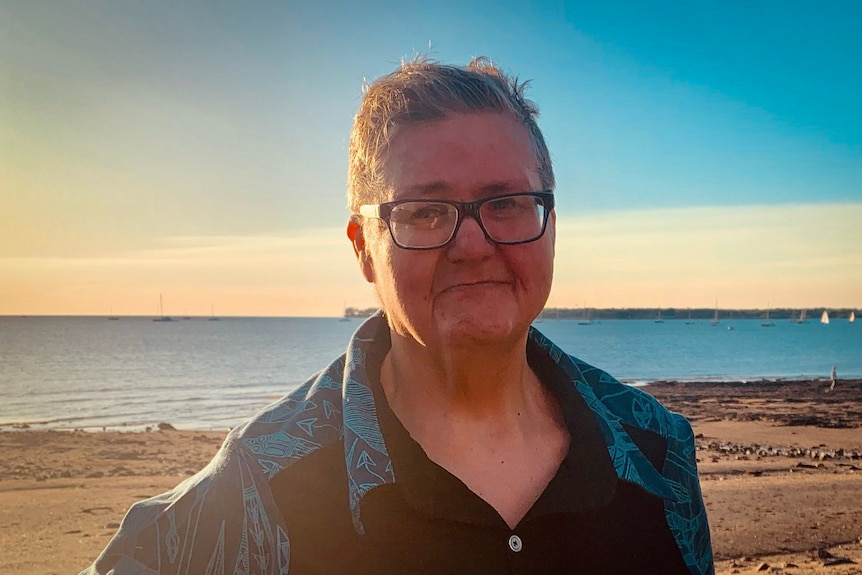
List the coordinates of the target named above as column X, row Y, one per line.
column 470, row 291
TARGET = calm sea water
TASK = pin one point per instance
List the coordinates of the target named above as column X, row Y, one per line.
column 62, row 372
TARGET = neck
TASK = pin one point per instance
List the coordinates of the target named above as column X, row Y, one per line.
column 435, row 394
column 484, row 416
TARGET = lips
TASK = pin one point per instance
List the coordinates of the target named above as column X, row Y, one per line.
column 466, row 286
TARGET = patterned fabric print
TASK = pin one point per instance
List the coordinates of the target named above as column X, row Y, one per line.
column 187, row 530
column 615, row 404
column 366, row 456
column 299, row 424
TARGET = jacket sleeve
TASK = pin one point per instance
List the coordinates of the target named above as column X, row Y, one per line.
column 223, row 519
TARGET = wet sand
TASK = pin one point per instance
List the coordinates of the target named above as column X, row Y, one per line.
column 780, row 465
column 781, row 472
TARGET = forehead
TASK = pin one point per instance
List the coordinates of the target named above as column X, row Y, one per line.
column 462, row 155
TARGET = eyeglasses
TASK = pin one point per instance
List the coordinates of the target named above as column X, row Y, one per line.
column 429, row 224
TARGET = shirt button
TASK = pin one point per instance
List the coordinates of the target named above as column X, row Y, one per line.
column 515, row 543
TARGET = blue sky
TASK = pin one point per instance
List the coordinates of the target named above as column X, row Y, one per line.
column 131, row 131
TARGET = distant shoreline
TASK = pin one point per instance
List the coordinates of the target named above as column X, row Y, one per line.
column 811, row 314
column 592, row 313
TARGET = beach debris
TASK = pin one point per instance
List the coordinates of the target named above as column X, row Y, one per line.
column 744, row 452
column 828, row 559
column 163, row 426
column 94, row 509
column 839, row 561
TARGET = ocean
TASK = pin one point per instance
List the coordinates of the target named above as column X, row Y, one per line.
column 92, row 373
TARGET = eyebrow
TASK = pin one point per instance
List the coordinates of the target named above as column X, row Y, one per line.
column 439, row 187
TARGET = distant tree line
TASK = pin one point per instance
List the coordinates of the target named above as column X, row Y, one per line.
column 665, row 313
column 672, row 313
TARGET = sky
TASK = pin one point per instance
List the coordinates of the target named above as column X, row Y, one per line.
column 704, row 151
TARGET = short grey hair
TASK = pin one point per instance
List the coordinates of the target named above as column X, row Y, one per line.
column 423, row 90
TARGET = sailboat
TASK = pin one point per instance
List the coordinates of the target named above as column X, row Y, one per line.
column 824, row 319
column 715, row 321
column 852, row 317
column 689, row 321
column 348, row 313
column 767, row 322
column 112, row 316
column 658, row 318
column 212, row 316
column 162, row 316
column 801, row 317
column 587, row 319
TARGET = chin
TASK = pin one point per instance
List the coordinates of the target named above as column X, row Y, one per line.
column 477, row 329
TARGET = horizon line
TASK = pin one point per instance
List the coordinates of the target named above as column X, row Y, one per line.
column 371, row 310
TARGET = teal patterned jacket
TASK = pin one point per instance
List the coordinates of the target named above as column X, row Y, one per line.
column 223, row 520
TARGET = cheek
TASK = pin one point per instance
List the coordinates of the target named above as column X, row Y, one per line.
column 407, row 275
column 413, row 273
column 534, row 269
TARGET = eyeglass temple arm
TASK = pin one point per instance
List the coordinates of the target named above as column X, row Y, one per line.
column 370, row 210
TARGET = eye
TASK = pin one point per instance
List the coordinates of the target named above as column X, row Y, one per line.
column 503, row 204
column 430, row 212
column 509, row 207
column 422, row 214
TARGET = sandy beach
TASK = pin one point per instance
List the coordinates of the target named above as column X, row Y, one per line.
column 780, row 462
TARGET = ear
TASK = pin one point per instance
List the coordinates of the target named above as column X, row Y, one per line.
column 357, row 237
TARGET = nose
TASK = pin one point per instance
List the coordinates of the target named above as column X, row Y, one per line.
column 469, row 242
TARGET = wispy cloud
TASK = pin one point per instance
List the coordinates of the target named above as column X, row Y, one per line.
column 750, row 256
column 744, row 256
column 312, row 272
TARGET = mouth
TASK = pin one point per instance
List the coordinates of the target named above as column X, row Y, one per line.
column 468, row 286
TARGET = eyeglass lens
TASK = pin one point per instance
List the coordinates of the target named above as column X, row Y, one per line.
column 510, row 219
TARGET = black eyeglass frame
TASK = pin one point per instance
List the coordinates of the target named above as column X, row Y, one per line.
column 463, row 209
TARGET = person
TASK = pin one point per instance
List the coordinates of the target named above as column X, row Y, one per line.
column 832, row 377
column 452, row 436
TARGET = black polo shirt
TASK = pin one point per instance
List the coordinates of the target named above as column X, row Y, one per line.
column 586, row 520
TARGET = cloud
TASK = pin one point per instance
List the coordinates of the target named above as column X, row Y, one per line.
column 311, row 272
column 750, row 256
column 746, row 256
